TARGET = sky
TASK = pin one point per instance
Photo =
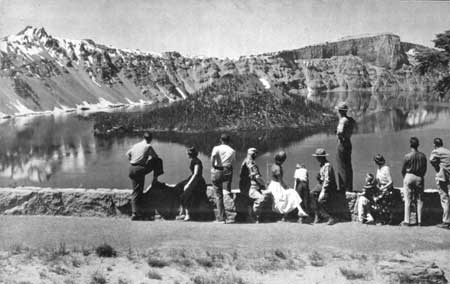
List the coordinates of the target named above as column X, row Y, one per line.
column 223, row 28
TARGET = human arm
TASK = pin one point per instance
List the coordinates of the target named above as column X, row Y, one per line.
column 213, row 157
column 434, row 160
column 191, row 179
column 129, row 154
column 404, row 166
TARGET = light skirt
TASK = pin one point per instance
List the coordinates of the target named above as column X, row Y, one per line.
column 285, row 200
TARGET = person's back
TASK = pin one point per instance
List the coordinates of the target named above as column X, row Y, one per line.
column 139, row 153
column 224, row 155
column 441, row 157
column 415, row 163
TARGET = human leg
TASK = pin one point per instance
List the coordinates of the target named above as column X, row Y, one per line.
column 407, row 193
column 217, row 182
column 137, row 182
column 445, row 203
column 363, row 209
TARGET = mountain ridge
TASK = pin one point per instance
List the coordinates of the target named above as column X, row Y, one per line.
column 39, row 72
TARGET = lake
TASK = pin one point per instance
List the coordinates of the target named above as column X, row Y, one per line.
column 62, row 151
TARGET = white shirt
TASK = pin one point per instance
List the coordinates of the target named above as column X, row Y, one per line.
column 384, row 175
column 140, row 153
column 224, row 156
column 301, row 174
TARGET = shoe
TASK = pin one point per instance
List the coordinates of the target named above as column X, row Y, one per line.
column 371, row 222
column 331, row 222
column 443, row 226
column 405, row 224
column 136, row 218
column 219, row 222
column 187, row 219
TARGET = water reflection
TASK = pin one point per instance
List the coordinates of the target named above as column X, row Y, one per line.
column 62, row 150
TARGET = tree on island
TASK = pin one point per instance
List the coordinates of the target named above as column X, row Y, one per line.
column 437, row 59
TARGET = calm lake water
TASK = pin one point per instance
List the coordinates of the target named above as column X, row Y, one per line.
column 62, row 151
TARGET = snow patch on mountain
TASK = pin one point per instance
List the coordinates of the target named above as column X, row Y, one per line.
column 265, row 83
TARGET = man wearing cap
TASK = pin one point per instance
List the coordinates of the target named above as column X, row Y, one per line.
column 325, row 190
column 413, row 171
column 344, row 132
column 222, row 158
column 251, row 176
column 440, row 160
column 143, row 160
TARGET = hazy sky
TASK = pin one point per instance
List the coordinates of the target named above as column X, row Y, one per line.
column 225, row 28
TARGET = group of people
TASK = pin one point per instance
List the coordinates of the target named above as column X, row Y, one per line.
column 377, row 202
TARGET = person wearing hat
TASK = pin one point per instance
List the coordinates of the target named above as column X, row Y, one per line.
column 385, row 199
column 325, row 189
column 143, row 160
column 366, row 200
column 222, row 159
column 440, row 160
column 285, row 200
column 252, row 184
column 194, row 187
column 344, row 132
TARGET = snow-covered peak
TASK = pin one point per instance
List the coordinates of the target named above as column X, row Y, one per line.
column 29, row 34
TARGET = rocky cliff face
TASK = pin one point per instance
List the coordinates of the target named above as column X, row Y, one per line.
column 39, row 72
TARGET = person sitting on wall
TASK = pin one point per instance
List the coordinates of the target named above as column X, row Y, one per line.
column 366, row 200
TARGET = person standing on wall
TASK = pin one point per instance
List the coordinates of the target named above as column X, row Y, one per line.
column 413, row 172
column 143, row 160
column 344, row 132
column 440, row 160
column 222, row 159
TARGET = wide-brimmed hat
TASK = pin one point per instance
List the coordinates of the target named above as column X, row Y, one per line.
column 342, row 106
column 379, row 159
column 320, row 152
column 252, row 151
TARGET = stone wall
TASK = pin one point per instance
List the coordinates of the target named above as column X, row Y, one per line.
column 163, row 198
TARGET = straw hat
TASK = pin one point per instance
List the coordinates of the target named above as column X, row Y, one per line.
column 252, row 151
column 320, row 152
column 342, row 106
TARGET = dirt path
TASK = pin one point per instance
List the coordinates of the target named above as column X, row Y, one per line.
column 46, row 231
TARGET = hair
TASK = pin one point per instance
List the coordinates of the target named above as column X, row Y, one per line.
column 192, row 152
column 225, row 138
column 370, row 177
column 379, row 159
column 148, row 136
column 414, row 142
column 280, row 157
column 438, row 142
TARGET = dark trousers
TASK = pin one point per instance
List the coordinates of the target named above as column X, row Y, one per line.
column 219, row 178
column 322, row 208
column 303, row 190
column 137, row 175
column 344, row 166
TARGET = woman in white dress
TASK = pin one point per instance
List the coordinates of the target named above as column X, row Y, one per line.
column 285, row 200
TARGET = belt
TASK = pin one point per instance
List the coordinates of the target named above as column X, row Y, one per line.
column 222, row 168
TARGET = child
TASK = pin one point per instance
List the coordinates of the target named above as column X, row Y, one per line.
column 366, row 200
column 301, row 185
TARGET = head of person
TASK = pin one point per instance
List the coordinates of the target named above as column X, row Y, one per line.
column 192, row 152
column 438, row 142
column 225, row 139
column 252, row 152
column 148, row 137
column 280, row 157
column 342, row 108
column 379, row 160
column 414, row 143
column 370, row 179
column 321, row 155
column 300, row 166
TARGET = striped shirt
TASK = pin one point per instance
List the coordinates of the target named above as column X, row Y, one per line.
column 415, row 163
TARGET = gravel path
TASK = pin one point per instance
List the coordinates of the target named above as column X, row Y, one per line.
column 50, row 231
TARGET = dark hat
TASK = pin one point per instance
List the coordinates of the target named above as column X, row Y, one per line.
column 320, row 152
column 342, row 106
column 379, row 159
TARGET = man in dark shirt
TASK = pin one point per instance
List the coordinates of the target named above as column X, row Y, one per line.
column 413, row 171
